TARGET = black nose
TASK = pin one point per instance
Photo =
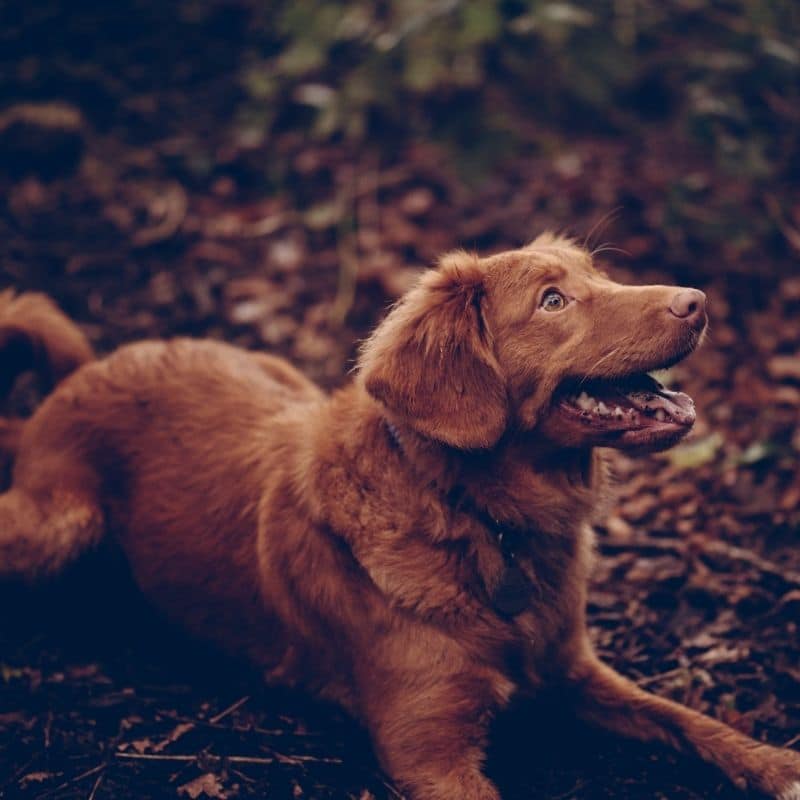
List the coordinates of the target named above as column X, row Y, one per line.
column 690, row 305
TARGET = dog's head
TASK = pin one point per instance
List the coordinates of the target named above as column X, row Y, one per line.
column 535, row 338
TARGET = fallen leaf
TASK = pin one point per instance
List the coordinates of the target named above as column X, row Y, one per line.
column 207, row 785
column 35, row 777
column 173, row 735
column 147, row 745
column 695, row 454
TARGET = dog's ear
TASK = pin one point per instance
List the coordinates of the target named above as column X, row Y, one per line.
column 431, row 361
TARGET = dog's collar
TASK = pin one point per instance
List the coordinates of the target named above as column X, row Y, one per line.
column 395, row 434
column 514, row 591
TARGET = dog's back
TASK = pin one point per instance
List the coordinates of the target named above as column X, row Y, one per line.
column 154, row 427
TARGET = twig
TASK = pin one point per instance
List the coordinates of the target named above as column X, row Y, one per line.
column 241, row 775
column 77, row 778
column 205, row 723
column 279, row 758
column 284, row 759
column 179, row 771
column 156, row 757
column 229, row 710
column 648, row 679
column 570, row 794
column 792, row 741
column 393, row 791
column 21, row 771
column 96, row 785
column 347, row 249
column 48, row 726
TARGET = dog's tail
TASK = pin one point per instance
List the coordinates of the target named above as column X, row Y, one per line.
column 35, row 335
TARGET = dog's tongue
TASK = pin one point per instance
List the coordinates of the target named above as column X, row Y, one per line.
column 676, row 405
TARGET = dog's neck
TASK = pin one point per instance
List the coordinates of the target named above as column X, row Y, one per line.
column 515, row 483
column 512, row 593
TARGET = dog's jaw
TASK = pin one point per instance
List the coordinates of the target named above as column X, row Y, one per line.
column 636, row 416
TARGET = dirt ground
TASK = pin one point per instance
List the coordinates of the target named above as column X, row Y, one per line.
column 143, row 215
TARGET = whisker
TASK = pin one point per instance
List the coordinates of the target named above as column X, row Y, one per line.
column 609, row 248
column 597, row 364
column 601, row 225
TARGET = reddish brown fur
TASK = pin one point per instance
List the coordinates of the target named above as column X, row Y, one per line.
column 292, row 527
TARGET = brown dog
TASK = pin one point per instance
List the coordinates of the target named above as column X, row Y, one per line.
column 416, row 546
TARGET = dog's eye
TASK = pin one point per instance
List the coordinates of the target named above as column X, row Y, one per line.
column 553, row 300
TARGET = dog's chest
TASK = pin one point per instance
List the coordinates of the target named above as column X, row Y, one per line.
column 559, row 569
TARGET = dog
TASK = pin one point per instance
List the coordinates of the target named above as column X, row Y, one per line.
column 416, row 546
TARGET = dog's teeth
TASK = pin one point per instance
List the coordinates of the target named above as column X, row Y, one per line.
column 584, row 402
column 660, row 415
column 603, row 409
column 619, row 413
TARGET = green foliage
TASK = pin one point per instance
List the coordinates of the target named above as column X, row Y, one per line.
column 729, row 70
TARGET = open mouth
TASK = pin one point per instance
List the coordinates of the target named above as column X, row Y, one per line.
column 634, row 412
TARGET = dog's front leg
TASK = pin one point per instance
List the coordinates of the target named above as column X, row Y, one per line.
column 430, row 735
column 607, row 699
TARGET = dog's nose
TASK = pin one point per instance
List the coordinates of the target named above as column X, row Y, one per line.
column 690, row 304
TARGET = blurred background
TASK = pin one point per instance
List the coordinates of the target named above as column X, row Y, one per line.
column 277, row 173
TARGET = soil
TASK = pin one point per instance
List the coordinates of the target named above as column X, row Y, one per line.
column 143, row 215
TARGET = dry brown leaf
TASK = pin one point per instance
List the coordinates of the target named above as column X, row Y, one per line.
column 35, row 777
column 207, row 785
column 147, row 745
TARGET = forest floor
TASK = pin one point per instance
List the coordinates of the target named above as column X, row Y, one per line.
column 136, row 233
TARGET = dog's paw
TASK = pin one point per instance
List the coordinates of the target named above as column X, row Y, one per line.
column 776, row 773
column 791, row 792
column 768, row 771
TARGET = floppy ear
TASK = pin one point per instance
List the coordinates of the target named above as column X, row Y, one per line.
column 431, row 360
